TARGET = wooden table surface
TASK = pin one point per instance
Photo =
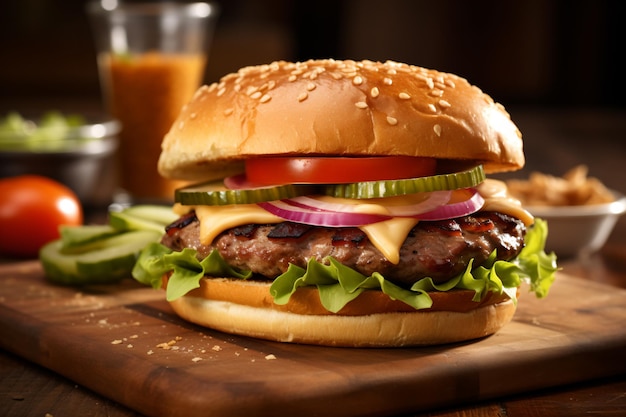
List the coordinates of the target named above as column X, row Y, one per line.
column 555, row 141
column 27, row 389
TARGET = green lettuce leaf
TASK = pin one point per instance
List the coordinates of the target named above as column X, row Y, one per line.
column 187, row 271
column 339, row 284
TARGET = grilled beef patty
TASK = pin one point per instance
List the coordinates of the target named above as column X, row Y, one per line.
column 436, row 249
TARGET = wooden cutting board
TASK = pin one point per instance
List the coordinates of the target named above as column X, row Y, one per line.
column 124, row 342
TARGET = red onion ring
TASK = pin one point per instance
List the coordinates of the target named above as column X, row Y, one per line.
column 283, row 209
column 312, row 211
column 432, row 201
column 449, row 211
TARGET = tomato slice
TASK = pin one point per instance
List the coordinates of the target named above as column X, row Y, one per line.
column 335, row 170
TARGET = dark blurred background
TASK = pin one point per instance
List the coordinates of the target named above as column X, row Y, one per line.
column 557, row 65
column 531, row 52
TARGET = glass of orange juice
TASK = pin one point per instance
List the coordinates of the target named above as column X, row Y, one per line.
column 151, row 60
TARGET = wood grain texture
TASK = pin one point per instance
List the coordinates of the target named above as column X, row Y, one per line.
column 124, row 342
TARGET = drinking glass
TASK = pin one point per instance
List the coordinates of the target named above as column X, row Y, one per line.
column 151, row 59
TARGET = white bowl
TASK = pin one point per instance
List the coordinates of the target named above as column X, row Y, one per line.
column 576, row 230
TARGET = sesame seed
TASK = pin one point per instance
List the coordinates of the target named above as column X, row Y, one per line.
column 221, row 92
column 432, row 107
column 292, row 78
column 436, row 93
column 404, row 96
column 444, row 104
column 337, row 75
column 437, row 130
column 358, row 80
column 212, row 87
column 387, row 81
column 303, row 96
column 265, row 98
column 450, row 83
column 361, row 104
column 256, row 94
column 193, row 115
column 228, row 111
column 321, row 70
column 310, row 86
column 392, row 120
column 430, row 83
column 374, row 92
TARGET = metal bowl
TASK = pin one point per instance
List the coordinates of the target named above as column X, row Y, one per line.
column 578, row 230
column 83, row 160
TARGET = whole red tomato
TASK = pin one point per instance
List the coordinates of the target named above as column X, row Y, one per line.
column 31, row 210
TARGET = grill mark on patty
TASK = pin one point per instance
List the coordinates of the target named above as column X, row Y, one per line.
column 288, row 230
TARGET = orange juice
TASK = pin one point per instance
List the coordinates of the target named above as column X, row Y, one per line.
column 145, row 93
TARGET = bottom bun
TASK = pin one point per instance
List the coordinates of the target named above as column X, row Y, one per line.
column 395, row 328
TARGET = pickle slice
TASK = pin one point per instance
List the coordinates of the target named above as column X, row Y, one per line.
column 389, row 188
column 74, row 236
column 143, row 217
column 216, row 194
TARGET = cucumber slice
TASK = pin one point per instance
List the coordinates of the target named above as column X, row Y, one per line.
column 102, row 261
column 158, row 214
column 73, row 236
column 143, row 217
column 215, row 194
column 390, row 188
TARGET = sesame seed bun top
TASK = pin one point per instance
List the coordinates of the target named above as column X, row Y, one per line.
column 343, row 108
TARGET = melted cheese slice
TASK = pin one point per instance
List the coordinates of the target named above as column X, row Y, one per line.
column 497, row 198
column 387, row 236
column 215, row 219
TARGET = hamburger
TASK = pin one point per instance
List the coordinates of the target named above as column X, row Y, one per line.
column 346, row 203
